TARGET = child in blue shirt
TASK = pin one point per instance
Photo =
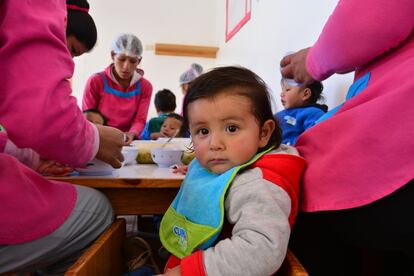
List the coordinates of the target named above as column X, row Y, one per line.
column 164, row 104
column 301, row 108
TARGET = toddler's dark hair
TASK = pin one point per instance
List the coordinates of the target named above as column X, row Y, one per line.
column 94, row 110
column 316, row 88
column 183, row 129
column 80, row 24
column 165, row 101
column 240, row 81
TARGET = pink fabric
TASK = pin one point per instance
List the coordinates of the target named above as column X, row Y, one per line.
column 126, row 114
column 366, row 150
column 38, row 112
column 27, row 156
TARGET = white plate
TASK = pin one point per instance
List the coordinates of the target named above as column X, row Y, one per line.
column 95, row 168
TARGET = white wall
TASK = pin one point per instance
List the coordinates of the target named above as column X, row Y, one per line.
column 152, row 21
column 277, row 27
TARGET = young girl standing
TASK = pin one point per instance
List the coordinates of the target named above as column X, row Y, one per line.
column 234, row 211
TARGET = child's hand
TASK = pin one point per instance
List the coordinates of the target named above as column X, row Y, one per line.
column 182, row 169
column 155, row 135
column 53, row 168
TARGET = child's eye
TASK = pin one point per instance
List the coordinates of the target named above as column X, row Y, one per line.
column 232, row 128
column 202, row 131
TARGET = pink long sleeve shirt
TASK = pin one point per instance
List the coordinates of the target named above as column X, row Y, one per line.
column 38, row 112
column 125, row 108
column 366, row 150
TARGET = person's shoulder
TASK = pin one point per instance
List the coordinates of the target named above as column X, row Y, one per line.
column 146, row 84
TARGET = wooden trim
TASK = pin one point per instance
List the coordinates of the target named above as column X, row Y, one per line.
column 185, row 50
column 104, row 256
column 291, row 266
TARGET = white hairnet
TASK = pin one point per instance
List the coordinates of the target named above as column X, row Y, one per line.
column 193, row 72
column 127, row 44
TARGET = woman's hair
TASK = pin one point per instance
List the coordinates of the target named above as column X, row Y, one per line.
column 80, row 24
column 183, row 129
column 165, row 100
column 240, row 81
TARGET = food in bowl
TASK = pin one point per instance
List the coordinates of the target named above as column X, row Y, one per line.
column 188, row 156
column 165, row 157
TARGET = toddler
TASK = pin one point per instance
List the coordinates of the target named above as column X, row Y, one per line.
column 235, row 209
column 173, row 126
column 301, row 108
column 165, row 104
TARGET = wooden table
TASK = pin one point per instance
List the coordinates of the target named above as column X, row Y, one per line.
column 134, row 189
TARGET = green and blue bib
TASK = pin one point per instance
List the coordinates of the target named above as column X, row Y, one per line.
column 195, row 218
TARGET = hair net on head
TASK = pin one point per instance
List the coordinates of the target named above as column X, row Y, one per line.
column 192, row 73
column 127, row 44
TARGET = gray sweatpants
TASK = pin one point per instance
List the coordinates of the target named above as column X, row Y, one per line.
column 56, row 252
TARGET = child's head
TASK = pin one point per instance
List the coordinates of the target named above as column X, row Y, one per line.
column 230, row 118
column 189, row 75
column 173, row 126
column 294, row 95
column 95, row 116
column 165, row 101
column 81, row 31
column 126, row 54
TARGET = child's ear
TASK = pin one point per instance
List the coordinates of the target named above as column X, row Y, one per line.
column 266, row 132
column 112, row 55
column 307, row 93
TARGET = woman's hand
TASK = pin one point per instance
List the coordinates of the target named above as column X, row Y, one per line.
column 111, row 141
column 53, row 168
column 294, row 67
column 129, row 138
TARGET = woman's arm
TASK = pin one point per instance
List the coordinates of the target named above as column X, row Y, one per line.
column 36, row 105
column 357, row 32
column 91, row 93
column 140, row 118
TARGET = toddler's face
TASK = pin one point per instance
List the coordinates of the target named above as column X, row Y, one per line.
column 224, row 131
column 170, row 127
column 94, row 118
column 292, row 96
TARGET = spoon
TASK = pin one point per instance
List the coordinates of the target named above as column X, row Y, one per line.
column 169, row 139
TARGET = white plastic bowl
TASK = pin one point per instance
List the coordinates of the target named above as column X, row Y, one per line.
column 166, row 157
column 130, row 154
column 96, row 167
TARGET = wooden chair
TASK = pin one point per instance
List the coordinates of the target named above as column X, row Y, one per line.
column 104, row 257
column 291, row 266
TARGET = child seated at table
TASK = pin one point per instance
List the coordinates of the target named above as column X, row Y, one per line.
column 95, row 116
column 173, row 126
column 165, row 104
column 235, row 209
column 301, row 108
